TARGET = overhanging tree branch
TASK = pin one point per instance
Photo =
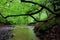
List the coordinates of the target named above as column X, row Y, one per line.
column 2, row 16
column 37, row 11
column 27, row 14
column 5, row 20
column 17, row 15
column 37, row 20
column 39, row 5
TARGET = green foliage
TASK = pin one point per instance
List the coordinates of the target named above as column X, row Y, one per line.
column 48, row 25
column 16, row 7
column 2, row 20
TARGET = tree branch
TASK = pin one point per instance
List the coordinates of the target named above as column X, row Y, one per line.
column 40, row 6
column 32, row 13
column 27, row 14
column 37, row 20
column 36, row 12
column 17, row 15
column 2, row 15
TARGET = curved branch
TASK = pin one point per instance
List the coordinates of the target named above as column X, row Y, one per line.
column 2, row 15
column 32, row 13
column 27, row 14
column 5, row 20
column 40, row 6
column 17, row 15
column 37, row 20
column 37, row 11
